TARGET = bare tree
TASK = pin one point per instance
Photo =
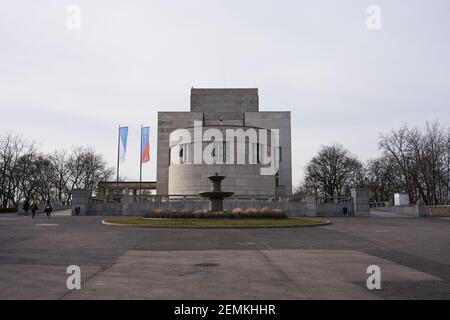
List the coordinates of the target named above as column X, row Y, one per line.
column 86, row 170
column 94, row 169
column 333, row 172
column 422, row 161
column 60, row 164
column 382, row 176
column 25, row 173
column 13, row 149
column 28, row 173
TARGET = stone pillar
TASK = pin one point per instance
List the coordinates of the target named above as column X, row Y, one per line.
column 126, row 202
column 311, row 206
column 80, row 202
column 361, row 205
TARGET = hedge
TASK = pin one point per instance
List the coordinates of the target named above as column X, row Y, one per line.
column 204, row 214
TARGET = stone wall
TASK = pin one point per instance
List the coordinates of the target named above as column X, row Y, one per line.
column 105, row 209
column 240, row 179
column 225, row 104
column 221, row 107
column 168, row 122
column 282, row 122
column 336, row 209
column 437, row 211
column 412, row 211
column 135, row 206
column 361, row 201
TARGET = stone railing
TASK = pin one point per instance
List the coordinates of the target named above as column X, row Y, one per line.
column 381, row 204
column 84, row 204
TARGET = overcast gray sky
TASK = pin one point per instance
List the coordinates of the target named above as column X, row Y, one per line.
column 343, row 82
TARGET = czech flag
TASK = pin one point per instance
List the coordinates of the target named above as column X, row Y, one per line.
column 145, row 144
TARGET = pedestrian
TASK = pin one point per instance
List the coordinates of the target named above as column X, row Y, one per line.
column 26, row 206
column 34, row 208
column 48, row 208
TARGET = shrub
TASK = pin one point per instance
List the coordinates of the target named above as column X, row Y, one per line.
column 278, row 213
column 250, row 213
column 200, row 213
column 189, row 215
column 184, row 214
column 176, row 215
column 149, row 215
column 157, row 213
column 237, row 211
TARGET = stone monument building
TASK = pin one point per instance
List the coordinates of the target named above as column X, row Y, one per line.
column 181, row 170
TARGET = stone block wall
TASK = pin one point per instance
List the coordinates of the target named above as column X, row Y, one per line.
column 361, row 201
column 437, row 211
column 168, row 122
column 225, row 104
column 221, row 107
column 412, row 210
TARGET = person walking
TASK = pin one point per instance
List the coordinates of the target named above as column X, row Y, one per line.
column 26, row 206
column 48, row 208
column 34, row 208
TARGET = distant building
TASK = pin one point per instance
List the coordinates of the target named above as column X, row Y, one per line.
column 129, row 188
column 181, row 165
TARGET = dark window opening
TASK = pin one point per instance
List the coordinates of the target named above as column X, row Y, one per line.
column 258, row 159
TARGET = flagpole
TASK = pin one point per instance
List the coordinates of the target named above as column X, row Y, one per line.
column 140, row 167
column 118, row 160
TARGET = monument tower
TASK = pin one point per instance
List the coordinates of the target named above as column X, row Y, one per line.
column 222, row 110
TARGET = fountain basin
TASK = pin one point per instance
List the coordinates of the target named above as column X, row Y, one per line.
column 216, row 195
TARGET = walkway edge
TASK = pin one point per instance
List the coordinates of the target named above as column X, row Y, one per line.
column 106, row 223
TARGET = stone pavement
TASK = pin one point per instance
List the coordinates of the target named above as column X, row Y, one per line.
column 326, row 262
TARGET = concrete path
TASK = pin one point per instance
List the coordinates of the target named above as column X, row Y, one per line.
column 326, row 262
column 60, row 213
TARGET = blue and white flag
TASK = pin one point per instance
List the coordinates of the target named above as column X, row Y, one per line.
column 123, row 137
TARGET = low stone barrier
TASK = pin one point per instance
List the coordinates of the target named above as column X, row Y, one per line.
column 437, row 211
column 129, row 207
column 309, row 206
column 411, row 211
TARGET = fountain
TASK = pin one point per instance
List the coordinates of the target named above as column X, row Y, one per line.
column 216, row 195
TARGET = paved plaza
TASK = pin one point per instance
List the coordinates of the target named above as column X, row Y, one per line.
column 326, row 262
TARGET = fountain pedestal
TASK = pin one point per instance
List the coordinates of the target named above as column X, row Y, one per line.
column 216, row 195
